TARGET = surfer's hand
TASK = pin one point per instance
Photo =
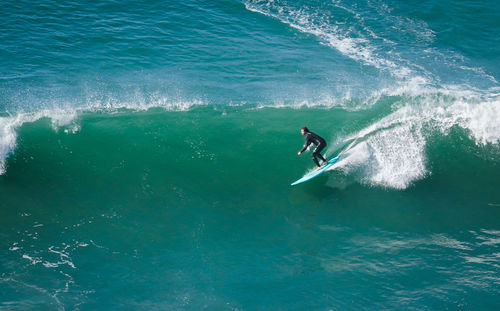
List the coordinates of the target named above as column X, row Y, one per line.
column 298, row 153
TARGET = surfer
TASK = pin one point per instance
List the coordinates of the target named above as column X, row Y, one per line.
column 312, row 138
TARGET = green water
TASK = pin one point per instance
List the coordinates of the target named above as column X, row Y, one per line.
column 169, row 210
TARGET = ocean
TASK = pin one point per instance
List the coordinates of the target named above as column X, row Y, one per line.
column 147, row 150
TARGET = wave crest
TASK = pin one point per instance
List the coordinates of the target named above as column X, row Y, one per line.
column 391, row 151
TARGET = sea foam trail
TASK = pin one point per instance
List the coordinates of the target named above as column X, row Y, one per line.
column 347, row 29
column 357, row 48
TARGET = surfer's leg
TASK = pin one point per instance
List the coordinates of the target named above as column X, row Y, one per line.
column 313, row 156
column 318, row 150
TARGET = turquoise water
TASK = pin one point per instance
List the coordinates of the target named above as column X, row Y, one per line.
column 147, row 150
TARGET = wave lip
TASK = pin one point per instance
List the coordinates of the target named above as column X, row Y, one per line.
column 10, row 124
column 8, row 136
column 67, row 116
column 390, row 152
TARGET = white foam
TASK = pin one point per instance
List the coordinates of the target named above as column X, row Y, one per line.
column 482, row 120
column 398, row 157
column 61, row 118
column 326, row 102
column 392, row 158
column 391, row 151
column 140, row 102
column 8, row 135
column 33, row 260
column 64, row 257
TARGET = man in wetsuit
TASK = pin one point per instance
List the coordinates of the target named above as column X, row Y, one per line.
column 312, row 138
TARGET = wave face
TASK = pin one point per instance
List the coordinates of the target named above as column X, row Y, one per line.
column 146, row 153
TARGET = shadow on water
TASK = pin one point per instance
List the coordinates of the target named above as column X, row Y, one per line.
column 316, row 191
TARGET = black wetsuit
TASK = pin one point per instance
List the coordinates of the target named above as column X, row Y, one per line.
column 320, row 143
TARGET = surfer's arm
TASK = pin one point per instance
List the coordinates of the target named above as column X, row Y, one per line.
column 306, row 144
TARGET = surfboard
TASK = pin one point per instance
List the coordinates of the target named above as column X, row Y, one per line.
column 314, row 174
column 330, row 163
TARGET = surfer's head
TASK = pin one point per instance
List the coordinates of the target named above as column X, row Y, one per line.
column 304, row 130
